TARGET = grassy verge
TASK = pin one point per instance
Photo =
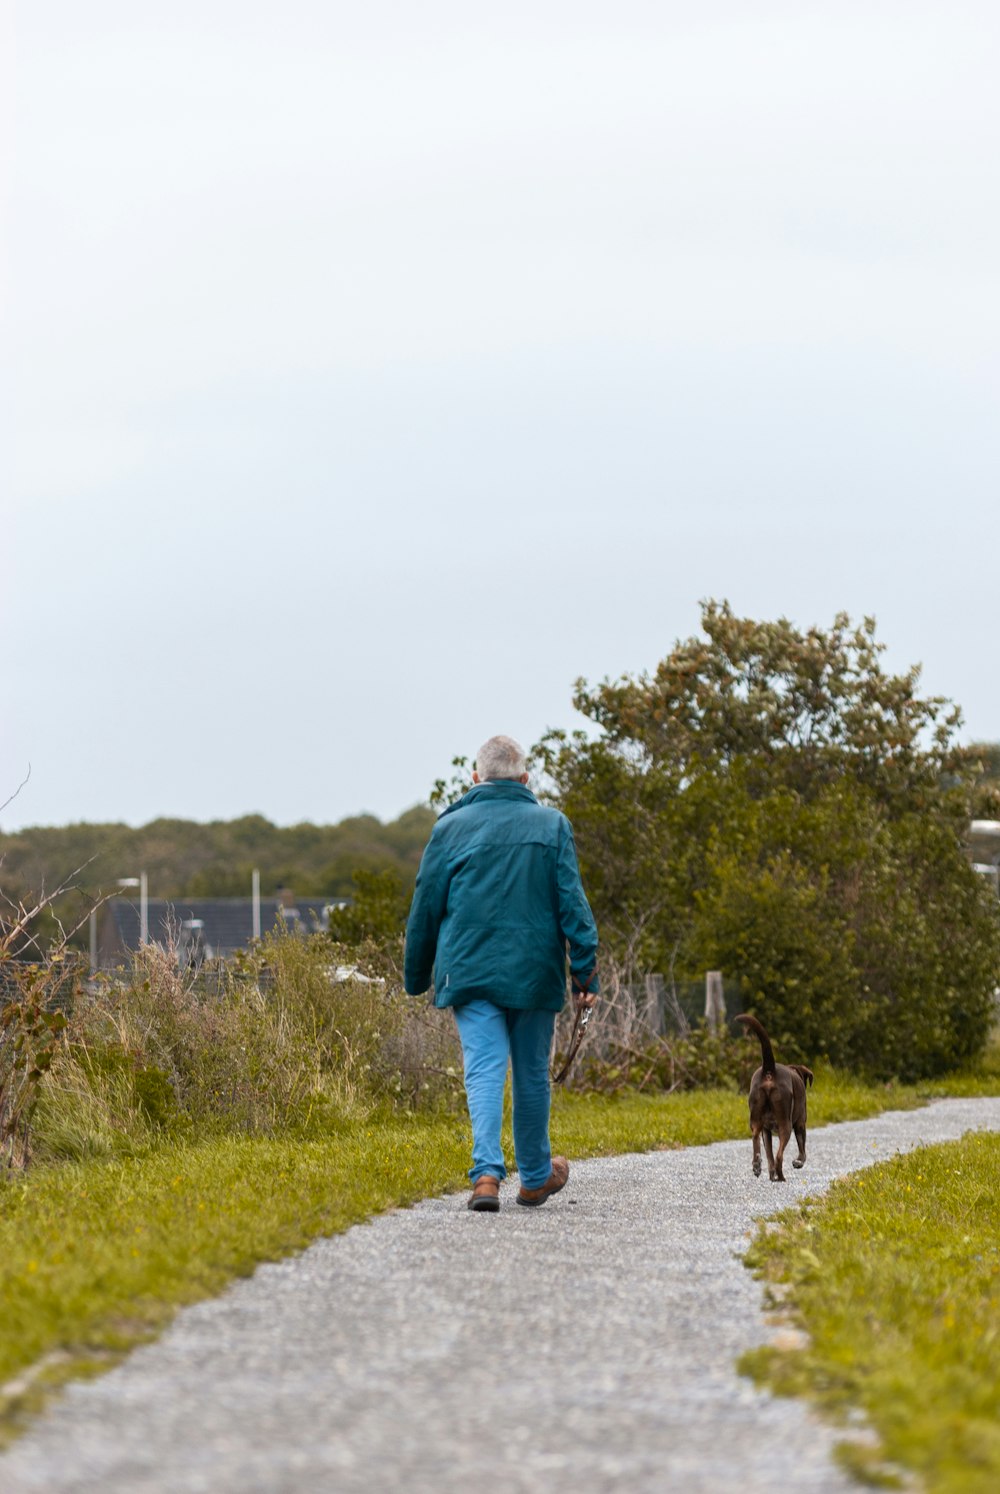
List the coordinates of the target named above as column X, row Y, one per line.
column 895, row 1277
column 96, row 1256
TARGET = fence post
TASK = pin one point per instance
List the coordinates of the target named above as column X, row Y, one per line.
column 654, row 1014
column 715, row 1001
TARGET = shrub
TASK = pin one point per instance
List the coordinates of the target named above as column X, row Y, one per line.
column 872, row 944
column 701, row 1059
column 773, row 804
column 30, row 1028
column 294, row 1036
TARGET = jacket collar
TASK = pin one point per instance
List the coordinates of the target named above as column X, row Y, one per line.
column 494, row 788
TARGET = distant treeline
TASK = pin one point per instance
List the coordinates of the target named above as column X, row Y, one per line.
column 184, row 859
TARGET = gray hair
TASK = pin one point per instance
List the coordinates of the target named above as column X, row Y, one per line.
column 501, row 757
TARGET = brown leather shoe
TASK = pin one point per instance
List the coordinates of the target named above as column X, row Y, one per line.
column 558, row 1178
column 486, row 1195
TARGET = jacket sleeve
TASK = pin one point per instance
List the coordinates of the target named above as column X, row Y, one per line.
column 576, row 922
column 430, row 899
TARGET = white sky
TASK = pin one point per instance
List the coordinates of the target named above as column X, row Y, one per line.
column 373, row 371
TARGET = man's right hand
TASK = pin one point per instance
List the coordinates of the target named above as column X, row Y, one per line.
column 582, row 996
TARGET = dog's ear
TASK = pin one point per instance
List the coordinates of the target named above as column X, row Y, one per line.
column 805, row 1074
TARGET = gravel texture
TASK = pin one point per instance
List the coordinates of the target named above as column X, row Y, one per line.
column 586, row 1345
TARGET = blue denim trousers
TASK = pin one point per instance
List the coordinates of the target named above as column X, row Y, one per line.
column 490, row 1035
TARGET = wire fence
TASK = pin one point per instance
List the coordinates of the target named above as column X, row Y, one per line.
column 76, row 975
column 659, row 1006
column 664, row 1007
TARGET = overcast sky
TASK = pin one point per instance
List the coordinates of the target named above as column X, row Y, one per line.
column 373, row 371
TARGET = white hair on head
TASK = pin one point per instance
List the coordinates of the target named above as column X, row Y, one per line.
column 501, row 757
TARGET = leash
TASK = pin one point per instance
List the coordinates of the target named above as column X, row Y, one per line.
column 579, row 1029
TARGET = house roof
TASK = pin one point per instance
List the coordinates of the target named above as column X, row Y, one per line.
column 226, row 922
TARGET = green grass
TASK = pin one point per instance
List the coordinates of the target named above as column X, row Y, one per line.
column 895, row 1277
column 598, row 1125
column 97, row 1256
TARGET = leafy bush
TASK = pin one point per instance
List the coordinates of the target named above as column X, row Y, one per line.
column 30, row 1027
column 871, row 944
column 773, row 804
column 377, row 910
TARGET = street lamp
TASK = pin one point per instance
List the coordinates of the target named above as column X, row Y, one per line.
column 140, row 882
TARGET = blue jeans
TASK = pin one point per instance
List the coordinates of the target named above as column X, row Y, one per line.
column 490, row 1035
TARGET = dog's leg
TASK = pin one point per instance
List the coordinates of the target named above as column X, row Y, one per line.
column 770, row 1154
column 784, row 1136
column 800, row 1138
column 756, row 1151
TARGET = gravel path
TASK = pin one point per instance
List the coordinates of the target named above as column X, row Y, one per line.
column 588, row 1345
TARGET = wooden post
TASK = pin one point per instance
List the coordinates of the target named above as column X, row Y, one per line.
column 715, row 1001
column 654, row 1014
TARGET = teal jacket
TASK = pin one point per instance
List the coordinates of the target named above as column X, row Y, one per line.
column 498, row 898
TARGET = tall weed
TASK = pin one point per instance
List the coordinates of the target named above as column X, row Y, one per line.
column 287, row 1038
column 641, row 1038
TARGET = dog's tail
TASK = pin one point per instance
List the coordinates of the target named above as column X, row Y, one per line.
column 766, row 1051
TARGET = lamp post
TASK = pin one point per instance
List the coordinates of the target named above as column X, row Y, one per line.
column 140, row 882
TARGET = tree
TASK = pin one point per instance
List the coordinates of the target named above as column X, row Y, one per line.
column 184, row 859
column 775, row 804
column 986, row 795
column 799, row 708
column 377, row 911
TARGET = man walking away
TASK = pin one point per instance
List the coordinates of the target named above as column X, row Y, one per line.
column 498, row 899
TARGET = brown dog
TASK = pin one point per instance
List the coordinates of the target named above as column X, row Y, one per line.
column 777, row 1103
